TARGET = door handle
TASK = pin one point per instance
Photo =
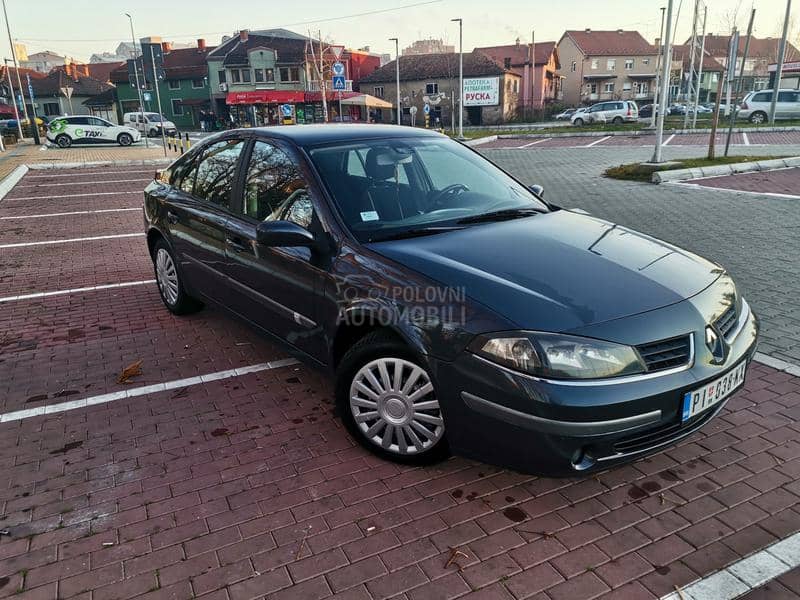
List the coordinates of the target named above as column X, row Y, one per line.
column 172, row 217
column 236, row 245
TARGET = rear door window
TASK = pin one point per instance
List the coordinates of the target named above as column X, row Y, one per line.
column 788, row 96
column 216, row 172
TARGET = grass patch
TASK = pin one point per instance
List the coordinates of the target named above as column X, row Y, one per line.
column 640, row 172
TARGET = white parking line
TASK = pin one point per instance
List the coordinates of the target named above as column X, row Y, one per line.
column 745, row 138
column 72, row 195
column 74, row 212
column 60, row 173
column 669, row 139
column 93, row 288
column 534, row 143
column 40, row 185
column 142, row 390
column 745, row 574
column 70, row 240
column 594, row 143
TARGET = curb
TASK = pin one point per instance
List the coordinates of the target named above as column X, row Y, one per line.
column 12, row 179
column 777, row 363
column 480, row 141
column 720, row 170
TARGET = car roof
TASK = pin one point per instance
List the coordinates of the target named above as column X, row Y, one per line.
column 312, row 135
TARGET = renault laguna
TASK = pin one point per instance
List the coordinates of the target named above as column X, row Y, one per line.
column 458, row 310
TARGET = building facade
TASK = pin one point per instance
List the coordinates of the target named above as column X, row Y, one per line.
column 428, row 46
column 184, row 89
column 607, row 65
column 46, row 61
column 680, row 73
column 541, row 85
column 62, row 93
column 491, row 93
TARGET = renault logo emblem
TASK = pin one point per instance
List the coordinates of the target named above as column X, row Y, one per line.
column 716, row 345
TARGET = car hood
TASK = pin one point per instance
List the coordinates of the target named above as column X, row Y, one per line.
column 556, row 271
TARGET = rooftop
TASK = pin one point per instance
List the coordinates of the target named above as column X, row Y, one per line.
column 610, row 43
column 519, row 53
column 416, row 67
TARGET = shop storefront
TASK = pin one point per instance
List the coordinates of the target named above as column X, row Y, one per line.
column 280, row 107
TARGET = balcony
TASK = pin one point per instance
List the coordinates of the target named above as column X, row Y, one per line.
column 313, row 86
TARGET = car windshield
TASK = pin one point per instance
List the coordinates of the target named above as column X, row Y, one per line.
column 154, row 117
column 403, row 187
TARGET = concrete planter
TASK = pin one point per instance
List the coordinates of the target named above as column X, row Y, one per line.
column 720, row 170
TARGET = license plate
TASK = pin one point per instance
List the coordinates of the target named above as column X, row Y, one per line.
column 713, row 393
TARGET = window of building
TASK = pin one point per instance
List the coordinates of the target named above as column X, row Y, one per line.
column 245, row 75
column 235, row 77
column 507, row 62
column 177, row 107
column 269, row 75
column 216, row 172
column 223, row 76
column 516, row 86
column 275, row 188
column 595, row 64
column 258, row 75
column 198, row 84
column 592, row 88
column 51, row 109
column 611, row 64
column 629, row 62
column 290, row 74
column 645, row 61
column 642, row 87
column 377, row 91
column 626, row 87
column 174, row 84
column 431, row 88
column 608, row 87
column 574, row 66
column 759, row 83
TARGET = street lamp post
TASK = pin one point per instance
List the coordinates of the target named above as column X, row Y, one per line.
column 779, row 66
column 397, row 74
column 460, row 77
column 665, row 71
column 138, row 86
column 16, row 67
column 13, row 99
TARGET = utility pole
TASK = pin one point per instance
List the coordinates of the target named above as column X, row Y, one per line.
column 734, row 109
column 460, row 77
column 658, row 73
column 733, row 55
column 533, row 75
column 158, row 99
column 779, row 66
column 712, row 140
column 14, row 99
column 138, row 86
column 16, row 66
column 322, row 85
column 690, row 82
column 700, row 70
column 667, row 52
column 397, row 75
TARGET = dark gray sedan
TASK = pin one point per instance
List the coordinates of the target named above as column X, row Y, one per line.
column 458, row 310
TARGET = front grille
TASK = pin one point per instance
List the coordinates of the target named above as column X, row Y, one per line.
column 663, row 434
column 666, row 354
column 727, row 321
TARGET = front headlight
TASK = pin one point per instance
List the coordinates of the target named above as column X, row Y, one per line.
column 558, row 356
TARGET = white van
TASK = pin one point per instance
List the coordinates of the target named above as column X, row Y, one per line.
column 149, row 123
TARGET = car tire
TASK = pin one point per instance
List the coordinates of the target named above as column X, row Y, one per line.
column 758, row 117
column 63, row 141
column 152, row 133
column 617, row 120
column 578, row 122
column 170, row 285
column 416, row 436
column 124, row 139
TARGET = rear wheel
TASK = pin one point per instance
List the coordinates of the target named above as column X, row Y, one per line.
column 125, row 139
column 388, row 401
column 758, row 117
column 617, row 120
column 64, row 141
column 170, row 286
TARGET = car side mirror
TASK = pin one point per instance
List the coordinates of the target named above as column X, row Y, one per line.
column 284, row 234
column 537, row 190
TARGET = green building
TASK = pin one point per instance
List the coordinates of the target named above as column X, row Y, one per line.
column 184, row 89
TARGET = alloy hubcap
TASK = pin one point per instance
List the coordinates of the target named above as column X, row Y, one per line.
column 167, row 276
column 395, row 407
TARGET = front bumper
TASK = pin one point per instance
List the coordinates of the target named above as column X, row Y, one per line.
column 561, row 428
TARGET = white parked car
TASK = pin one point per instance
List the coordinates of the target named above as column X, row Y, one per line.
column 149, row 123
column 756, row 105
column 617, row 111
column 82, row 129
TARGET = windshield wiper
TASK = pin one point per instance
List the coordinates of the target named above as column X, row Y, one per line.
column 501, row 215
column 411, row 233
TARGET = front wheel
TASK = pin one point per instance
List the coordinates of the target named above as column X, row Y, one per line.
column 388, row 401
column 170, row 286
column 758, row 117
column 125, row 139
column 578, row 122
column 64, row 141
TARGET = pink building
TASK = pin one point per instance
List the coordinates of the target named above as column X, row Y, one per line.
column 544, row 86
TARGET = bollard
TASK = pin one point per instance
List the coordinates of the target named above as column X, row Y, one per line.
column 180, row 141
column 188, row 144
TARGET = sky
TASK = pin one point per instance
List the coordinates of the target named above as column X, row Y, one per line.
column 79, row 28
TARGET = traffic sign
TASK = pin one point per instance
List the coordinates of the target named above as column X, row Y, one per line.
column 339, row 83
column 286, row 110
column 338, row 69
column 148, row 96
column 427, row 109
column 337, row 51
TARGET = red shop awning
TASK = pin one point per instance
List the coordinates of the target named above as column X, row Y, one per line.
column 329, row 95
column 265, row 97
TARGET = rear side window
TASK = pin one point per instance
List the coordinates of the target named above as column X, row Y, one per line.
column 216, row 172
column 78, row 121
column 762, row 97
column 788, row 96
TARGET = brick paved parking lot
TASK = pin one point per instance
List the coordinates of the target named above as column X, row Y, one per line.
column 240, row 483
column 779, row 181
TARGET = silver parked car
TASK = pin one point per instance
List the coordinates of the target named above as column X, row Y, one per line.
column 616, row 111
column 755, row 106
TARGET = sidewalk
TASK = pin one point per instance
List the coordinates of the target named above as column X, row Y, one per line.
column 28, row 153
